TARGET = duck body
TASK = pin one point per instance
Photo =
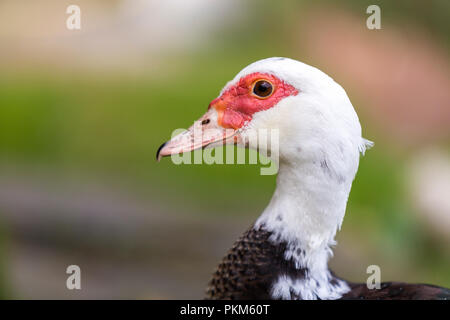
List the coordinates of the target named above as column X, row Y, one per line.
column 250, row 268
column 315, row 143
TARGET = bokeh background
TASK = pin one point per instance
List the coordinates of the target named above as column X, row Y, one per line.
column 82, row 114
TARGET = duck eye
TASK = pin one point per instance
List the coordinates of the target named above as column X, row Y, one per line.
column 262, row 89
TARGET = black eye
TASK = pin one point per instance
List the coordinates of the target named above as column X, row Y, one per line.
column 262, row 88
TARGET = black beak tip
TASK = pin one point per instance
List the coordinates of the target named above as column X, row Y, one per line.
column 159, row 150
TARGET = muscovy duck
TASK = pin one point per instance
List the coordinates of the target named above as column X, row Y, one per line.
column 285, row 254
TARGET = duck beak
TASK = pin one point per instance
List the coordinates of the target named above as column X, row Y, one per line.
column 205, row 132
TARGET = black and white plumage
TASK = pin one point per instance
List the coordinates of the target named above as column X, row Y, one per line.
column 250, row 268
column 285, row 254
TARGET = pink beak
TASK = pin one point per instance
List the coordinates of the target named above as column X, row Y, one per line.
column 204, row 132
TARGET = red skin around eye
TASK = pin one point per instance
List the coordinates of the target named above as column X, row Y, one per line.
column 237, row 104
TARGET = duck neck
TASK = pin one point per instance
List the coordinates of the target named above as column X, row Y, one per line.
column 304, row 214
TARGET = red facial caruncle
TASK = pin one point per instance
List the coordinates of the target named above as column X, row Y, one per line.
column 253, row 93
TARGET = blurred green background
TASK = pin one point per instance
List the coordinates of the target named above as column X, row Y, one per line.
column 83, row 112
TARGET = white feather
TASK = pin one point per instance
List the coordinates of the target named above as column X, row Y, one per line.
column 319, row 147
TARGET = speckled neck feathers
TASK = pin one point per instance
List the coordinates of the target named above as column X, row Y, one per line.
column 255, row 268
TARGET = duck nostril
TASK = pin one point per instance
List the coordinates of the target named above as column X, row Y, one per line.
column 206, row 121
